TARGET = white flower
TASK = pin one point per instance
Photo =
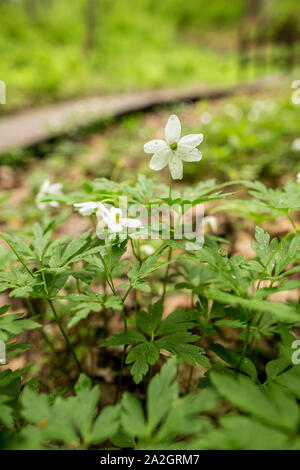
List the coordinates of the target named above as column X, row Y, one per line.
column 87, row 208
column 46, row 191
column 174, row 150
column 147, row 249
column 233, row 111
column 254, row 114
column 212, row 222
column 298, row 177
column 296, row 145
column 113, row 219
column 205, row 118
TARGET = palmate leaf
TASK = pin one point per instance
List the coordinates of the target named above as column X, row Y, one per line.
column 73, row 247
column 290, row 380
column 13, row 324
column 10, row 386
column 282, row 287
column 40, row 240
column 287, row 198
column 179, row 344
column 272, row 419
column 132, row 416
column 242, row 432
column 19, row 246
column 142, row 356
column 179, row 320
column 167, row 415
column 65, row 422
column 149, row 321
column 122, row 339
column 275, row 368
column 264, row 248
column 273, row 407
column 81, row 305
column 6, row 411
column 280, row 311
column 163, row 390
column 233, row 359
column 170, row 334
column 137, row 273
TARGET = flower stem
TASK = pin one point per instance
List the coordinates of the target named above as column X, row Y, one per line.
column 120, row 374
column 64, row 334
column 124, row 349
column 292, row 222
column 170, row 248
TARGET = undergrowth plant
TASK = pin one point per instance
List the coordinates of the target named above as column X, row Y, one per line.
column 105, row 293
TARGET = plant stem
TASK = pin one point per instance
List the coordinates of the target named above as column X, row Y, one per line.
column 64, row 334
column 120, row 374
column 167, row 275
column 108, row 279
column 136, row 255
column 292, row 222
column 170, row 248
column 272, row 256
column 245, row 347
column 188, row 387
column 17, row 254
column 126, row 295
column 124, row 350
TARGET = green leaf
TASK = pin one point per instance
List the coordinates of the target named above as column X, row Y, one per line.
column 148, row 267
column 142, row 356
column 233, row 359
column 132, row 415
column 183, row 418
column 179, row 320
column 106, row 425
column 120, row 339
column 149, row 321
column 242, row 433
column 36, row 408
column 281, row 311
column 275, row 367
column 290, row 380
column 14, row 324
column 275, row 408
column 176, row 343
column 161, row 393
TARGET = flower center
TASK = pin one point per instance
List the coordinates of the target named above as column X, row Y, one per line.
column 173, row 146
column 117, row 217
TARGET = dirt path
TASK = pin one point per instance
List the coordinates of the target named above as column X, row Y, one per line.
column 34, row 126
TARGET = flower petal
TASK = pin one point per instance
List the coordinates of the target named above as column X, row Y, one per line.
column 45, row 186
column 188, row 153
column 212, row 222
column 173, row 129
column 176, row 167
column 102, row 212
column 191, row 139
column 100, row 226
column 86, row 208
column 114, row 211
column 114, row 227
column 154, row 146
column 160, row 159
column 131, row 223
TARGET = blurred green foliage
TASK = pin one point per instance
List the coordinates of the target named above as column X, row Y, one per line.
column 54, row 49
